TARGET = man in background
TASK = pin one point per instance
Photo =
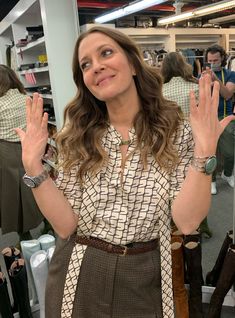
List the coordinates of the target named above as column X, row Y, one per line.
column 216, row 58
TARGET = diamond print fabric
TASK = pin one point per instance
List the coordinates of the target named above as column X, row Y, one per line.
column 136, row 211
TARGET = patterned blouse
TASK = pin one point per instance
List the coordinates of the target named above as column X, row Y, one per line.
column 136, row 210
column 12, row 114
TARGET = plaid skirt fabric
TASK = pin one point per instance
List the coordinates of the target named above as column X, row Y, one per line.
column 18, row 209
column 109, row 285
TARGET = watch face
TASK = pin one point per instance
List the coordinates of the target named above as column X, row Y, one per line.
column 29, row 182
column 210, row 165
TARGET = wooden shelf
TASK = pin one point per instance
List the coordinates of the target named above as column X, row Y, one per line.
column 35, row 45
column 52, row 122
column 46, row 96
column 35, row 70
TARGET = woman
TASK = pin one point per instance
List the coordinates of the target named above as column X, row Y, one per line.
column 124, row 153
column 178, row 80
column 18, row 209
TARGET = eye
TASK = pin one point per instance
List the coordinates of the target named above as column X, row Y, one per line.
column 84, row 65
column 107, row 52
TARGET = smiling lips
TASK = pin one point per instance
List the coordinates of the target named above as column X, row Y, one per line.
column 104, row 79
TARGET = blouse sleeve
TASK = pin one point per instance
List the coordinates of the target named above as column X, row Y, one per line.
column 68, row 184
column 185, row 144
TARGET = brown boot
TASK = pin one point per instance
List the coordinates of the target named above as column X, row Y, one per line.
column 193, row 260
column 179, row 290
column 224, row 283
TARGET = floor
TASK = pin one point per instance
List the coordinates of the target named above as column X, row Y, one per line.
column 220, row 220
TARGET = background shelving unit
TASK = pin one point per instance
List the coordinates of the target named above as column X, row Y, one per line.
column 61, row 28
column 180, row 38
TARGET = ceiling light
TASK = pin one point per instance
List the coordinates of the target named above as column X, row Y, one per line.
column 129, row 9
column 201, row 11
column 176, row 18
column 218, row 6
column 223, row 19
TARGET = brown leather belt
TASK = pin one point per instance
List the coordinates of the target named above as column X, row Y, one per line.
column 129, row 249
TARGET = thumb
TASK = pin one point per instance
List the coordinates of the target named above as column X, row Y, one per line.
column 224, row 122
column 20, row 133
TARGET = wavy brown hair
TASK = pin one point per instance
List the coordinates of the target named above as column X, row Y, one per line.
column 86, row 118
column 174, row 64
column 9, row 80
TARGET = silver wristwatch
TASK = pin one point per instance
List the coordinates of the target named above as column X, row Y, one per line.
column 205, row 165
column 34, row 182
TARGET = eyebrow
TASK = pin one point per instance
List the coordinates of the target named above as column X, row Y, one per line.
column 97, row 50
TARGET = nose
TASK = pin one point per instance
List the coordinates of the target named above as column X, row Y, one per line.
column 97, row 66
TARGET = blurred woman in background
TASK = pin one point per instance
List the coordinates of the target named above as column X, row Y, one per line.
column 18, row 209
column 178, row 80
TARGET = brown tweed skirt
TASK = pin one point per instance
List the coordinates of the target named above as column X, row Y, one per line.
column 109, row 285
column 18, row 209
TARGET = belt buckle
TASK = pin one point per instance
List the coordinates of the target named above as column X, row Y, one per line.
column 124, row 252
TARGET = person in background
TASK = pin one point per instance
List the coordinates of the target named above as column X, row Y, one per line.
column 178, row 81
column 128, row 164
column 216, row 56
column 18, row 209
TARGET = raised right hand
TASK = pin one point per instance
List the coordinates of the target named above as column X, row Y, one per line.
column 34, row 139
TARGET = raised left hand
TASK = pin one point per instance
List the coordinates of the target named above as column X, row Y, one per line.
column 204, row 120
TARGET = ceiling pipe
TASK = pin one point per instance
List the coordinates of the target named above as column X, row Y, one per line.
column 109, row 5
column 178, row 5
column 98, row 4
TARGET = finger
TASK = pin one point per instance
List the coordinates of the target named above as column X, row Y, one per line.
column 202, row 91
column 207, row 91
column 34, row 103
column 28, row 109
column 20, row 133
column 192, row 102
column 224, row 122
column 215, row 96
column 44, row 122
column 39, row 107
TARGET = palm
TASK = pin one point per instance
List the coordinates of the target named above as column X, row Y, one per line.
column 34, row 139
column 204, row 117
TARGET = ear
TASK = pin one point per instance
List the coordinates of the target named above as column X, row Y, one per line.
column 133, row 71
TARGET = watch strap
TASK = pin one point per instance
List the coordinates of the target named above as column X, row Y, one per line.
column 37, row 180
column 41, row 177
column 199, row 163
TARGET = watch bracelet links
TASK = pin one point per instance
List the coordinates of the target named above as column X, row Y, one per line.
column 198, row 163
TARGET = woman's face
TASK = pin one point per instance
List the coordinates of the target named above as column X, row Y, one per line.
column 107, row 73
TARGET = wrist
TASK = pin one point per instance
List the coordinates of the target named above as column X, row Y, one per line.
column 35, row 181
column 205, row 151
column 206, row 165
column 33, row 169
